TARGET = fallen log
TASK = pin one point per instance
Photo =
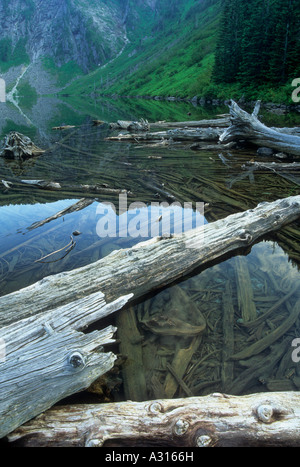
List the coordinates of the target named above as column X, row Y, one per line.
column 275, row 166
column 63, row 127
column 165, row 260
column 178, row 134
column 141, row 125
column 217, row 420
column 49, row 358
column 217, row 122
column 247, row 127
column 46, row 185
column 40, row 323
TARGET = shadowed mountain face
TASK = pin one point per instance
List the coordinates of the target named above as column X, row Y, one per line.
column 86, row 32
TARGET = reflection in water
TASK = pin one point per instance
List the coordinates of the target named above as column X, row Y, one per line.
column 228, row 328
column 98, row 230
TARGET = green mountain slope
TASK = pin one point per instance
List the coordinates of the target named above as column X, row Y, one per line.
column 171, row 54
column 206, row 48
column 165, row 48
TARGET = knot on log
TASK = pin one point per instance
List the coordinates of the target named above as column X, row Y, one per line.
column 76, row 361
column 181, row 427
column 268, row 412
column 246, row 236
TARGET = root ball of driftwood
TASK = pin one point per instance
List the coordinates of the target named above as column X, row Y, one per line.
column 248, row 128
column 18, row 146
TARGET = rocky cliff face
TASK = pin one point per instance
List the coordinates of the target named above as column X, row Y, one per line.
column 89, row 32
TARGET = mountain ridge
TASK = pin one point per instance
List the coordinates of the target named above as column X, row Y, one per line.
column 73, row 38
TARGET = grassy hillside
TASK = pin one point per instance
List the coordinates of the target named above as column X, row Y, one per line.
column 170, row 55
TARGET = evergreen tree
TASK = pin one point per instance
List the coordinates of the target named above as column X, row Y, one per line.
column 228, row 53
column 255, row 42
column 259, row 42
column 285, row 49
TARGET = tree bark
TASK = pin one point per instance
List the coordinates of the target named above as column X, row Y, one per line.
column 177, row 134
column 217, row 420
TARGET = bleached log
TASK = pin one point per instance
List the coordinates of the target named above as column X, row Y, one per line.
column 247, row 127
column 177, row 134
column 217, row 122
column 48, row 358
column 217, row 420
column 40, row 324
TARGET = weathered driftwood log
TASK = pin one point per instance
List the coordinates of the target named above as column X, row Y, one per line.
column 275, row 166
column 81, row 204
column 217, row 122
column 243, row 127
column 178, row 134
column 247, row 127
column 47, row 358
column 18, row 146
column 40, row 323
column 218, row 420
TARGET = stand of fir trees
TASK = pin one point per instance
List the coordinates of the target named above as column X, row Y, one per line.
column 259, row 42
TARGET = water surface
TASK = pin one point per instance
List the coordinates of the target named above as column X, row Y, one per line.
column 176, row 361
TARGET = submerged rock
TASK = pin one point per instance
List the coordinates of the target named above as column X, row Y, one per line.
column 265, row 151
